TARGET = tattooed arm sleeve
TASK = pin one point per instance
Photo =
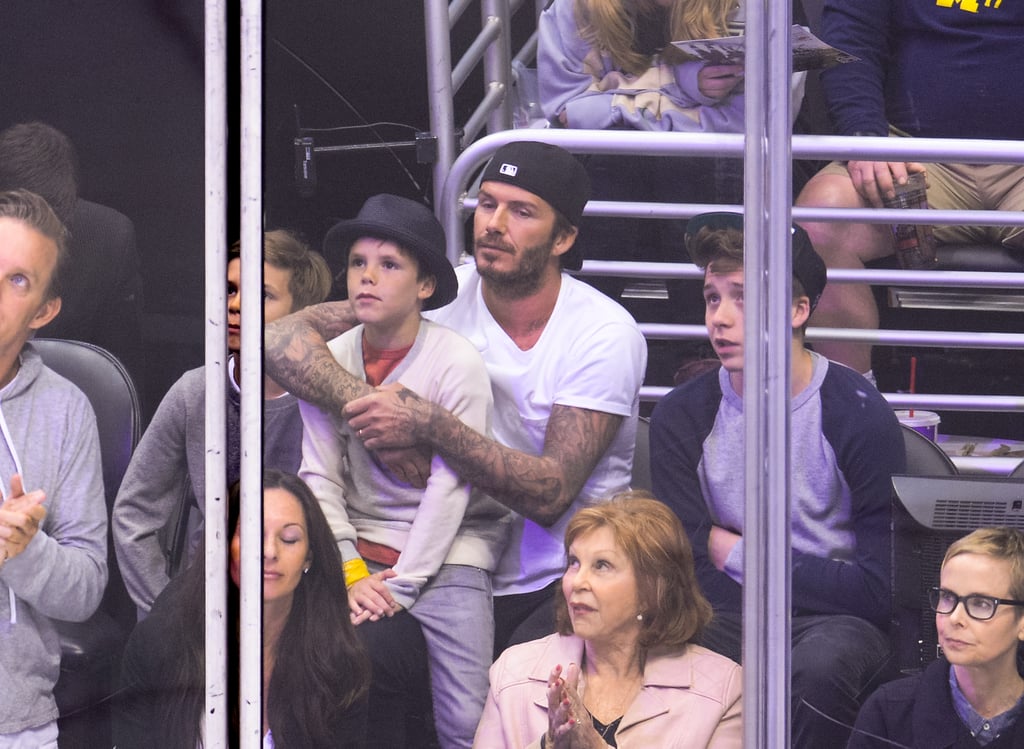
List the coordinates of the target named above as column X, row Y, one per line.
column 296, row 355
column 539, row 487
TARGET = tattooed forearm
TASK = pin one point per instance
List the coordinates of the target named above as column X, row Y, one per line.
column 296, row 355
column 538, row 487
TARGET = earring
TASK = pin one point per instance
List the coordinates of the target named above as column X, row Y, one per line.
column 639, row 617
column 305, row 570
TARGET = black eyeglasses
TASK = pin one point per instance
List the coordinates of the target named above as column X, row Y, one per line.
column 977, row 606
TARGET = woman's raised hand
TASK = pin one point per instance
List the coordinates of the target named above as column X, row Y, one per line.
column 569, row 722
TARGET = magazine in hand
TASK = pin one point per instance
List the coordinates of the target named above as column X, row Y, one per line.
column 809, row 52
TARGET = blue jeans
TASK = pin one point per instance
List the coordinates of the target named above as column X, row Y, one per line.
column 836, row 662
column 451, row 639
column 454, row 610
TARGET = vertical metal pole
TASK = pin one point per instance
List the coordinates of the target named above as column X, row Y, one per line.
column 767, row 343
column 216, row 713
column 498, row 62
column 440, row 96
column 251, row 360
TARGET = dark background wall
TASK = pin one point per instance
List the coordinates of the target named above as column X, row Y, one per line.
column 333, row 69
column 352, row 73
column 124, row 80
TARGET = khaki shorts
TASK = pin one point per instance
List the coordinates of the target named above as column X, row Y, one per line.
column 971, row 187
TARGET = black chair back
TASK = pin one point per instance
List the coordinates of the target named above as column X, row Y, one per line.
column 929, row 513
column 90, row 650
column 642, row 456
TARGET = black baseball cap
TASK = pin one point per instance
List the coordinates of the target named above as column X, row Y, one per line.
column 808, row 267
column 549, row 172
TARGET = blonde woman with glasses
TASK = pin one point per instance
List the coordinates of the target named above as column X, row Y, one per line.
column 974, row 695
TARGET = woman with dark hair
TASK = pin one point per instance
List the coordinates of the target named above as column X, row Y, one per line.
column 315, row 672
column 622, row 670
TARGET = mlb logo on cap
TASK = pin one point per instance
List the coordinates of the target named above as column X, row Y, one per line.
column 552, row 174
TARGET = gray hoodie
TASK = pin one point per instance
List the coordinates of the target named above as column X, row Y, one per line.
column 48, row 435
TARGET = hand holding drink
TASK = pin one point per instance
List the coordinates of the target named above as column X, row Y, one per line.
column 915, row 243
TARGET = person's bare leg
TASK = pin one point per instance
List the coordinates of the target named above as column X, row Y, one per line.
column 844, row 245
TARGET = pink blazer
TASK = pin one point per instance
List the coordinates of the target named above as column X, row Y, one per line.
column 688, row 701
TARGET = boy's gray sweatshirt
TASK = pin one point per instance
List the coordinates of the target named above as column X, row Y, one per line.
column 48, row 435
column 171, row 457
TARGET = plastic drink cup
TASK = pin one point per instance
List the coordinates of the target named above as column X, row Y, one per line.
column 915, row 243
column 925, row 422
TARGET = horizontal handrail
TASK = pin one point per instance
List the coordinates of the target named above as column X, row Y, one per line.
column 910, row 216
column 835, row 147
column 455, row 202
column 924, row 338
column 645, row 210
column 939, row 402
column 875, row 276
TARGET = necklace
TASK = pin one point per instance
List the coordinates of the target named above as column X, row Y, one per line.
column 604, row 730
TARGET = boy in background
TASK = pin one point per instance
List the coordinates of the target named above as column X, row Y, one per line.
column 430, row 550
column 845, row 443
column 155, row 504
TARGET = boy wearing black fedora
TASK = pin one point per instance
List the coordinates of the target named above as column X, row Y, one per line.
column 426, row 550
column 846, row 444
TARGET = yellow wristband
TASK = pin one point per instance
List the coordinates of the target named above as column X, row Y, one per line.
column 355, row 570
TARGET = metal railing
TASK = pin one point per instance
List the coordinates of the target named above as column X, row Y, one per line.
column 491, row 47
column 215, row 335
column 767, row 147
column 456, row 204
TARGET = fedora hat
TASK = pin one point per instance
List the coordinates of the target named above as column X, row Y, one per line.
column 408, row 224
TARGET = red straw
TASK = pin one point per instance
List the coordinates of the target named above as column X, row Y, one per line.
column 913, row 380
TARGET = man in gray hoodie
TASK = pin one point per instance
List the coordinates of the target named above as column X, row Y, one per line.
column 52, row 537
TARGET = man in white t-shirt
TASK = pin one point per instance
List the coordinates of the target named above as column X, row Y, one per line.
column 565, row 362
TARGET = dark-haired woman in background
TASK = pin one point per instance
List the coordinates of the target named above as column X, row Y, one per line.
column 623, row 670
column 315, row 673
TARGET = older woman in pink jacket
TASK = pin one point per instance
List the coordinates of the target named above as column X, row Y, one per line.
column 622, row 670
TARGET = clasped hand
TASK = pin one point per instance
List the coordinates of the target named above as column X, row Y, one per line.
column 384, row 421
column 20, row 516
column 569, row 723
column 370, row 599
